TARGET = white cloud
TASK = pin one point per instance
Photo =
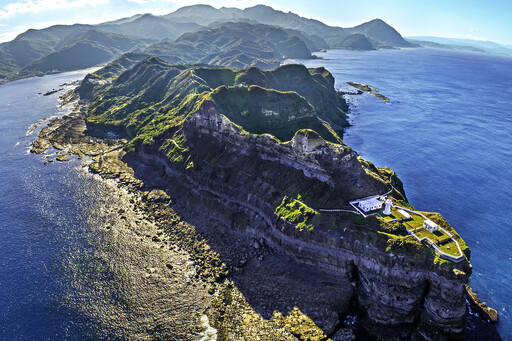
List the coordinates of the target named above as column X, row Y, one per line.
column 7, row 36
column 34, row 6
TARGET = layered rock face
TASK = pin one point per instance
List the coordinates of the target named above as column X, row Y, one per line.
column 203, row 134
column 239, row 179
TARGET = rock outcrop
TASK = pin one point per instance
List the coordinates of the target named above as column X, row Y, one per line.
column 258, row 154
column 239, row 179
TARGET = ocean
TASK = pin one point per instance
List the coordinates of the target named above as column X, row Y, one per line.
column 70, row 268
column 35, row 227
column 446, row 132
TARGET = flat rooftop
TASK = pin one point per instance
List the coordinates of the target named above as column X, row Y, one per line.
column 373, row 201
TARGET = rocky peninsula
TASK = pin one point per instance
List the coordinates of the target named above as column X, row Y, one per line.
column 238, row 170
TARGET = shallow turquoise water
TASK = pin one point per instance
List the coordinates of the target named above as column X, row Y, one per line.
column 447, row 134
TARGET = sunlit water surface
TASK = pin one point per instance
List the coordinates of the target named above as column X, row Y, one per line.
column 70, row 268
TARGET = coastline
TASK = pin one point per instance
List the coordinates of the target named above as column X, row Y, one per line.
column 414, row 135
column 227, row 281
column 89, row 69
column 226, row 274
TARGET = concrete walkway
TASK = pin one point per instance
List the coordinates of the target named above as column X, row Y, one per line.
column 442, row 254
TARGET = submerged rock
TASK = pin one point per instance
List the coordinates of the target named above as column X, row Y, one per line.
column 63, row 158
column 157, row 195
column 489, row 313
column 368, row 89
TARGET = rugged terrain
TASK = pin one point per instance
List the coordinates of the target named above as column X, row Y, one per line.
column 250, row 158
column 258, row 36
column 228, row 296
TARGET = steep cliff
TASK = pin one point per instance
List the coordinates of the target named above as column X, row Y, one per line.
column 268, row 163
column 144, row 96
column 241, row 179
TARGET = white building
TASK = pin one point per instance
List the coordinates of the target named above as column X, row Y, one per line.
column 387, row 210
column 370, row 204
column 405, row 214
column 430, row 225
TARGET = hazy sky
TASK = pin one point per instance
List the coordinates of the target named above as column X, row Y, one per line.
column 473, row 19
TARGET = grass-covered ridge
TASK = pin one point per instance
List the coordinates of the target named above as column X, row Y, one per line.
column 207, row 121
column 259, row 110
column 154, row 96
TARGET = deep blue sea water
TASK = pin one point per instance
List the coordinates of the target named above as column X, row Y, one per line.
column 447, row 132
column 63, row 275
column 70, row 268
column 34, row 225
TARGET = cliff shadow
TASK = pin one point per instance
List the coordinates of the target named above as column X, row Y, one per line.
column 269, row 281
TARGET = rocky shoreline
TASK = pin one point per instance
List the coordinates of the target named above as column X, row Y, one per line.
column 252, row 291
column 245, row 279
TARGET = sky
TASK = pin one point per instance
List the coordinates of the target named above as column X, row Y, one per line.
column 469, row 19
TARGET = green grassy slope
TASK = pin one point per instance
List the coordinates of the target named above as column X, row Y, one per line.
column 143, row 100
column 266, row 111
column 297, row 78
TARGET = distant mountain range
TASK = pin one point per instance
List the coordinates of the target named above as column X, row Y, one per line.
column 202, row 34
column 380, row 33
column 236, row 45
column 488, row 47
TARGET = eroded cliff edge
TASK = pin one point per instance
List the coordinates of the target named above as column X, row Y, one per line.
column 201, row 134
column 398, row 282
